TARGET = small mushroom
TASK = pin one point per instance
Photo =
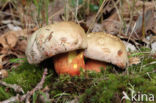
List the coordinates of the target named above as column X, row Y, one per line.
column 105, row 48
column 61, row 40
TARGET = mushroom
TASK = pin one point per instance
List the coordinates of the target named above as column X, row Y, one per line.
column 95, row 65
column 105, row 48
column 60, row 41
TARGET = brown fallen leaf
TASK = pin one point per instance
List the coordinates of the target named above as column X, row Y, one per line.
column 13, row 45
column 134, row 60
column 21, row 45
column 11, row 39
column 3, row 43
column 131, row 13
column 148, row 22
column 56, row 11
column 1, row 66
column 147, row 4
column 3, row 74
column 111, row 26
column 97, row 28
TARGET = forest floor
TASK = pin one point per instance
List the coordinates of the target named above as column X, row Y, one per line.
column 133, row 21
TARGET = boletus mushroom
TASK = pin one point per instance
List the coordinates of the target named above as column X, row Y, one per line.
column 60, row 41
column 104, row 48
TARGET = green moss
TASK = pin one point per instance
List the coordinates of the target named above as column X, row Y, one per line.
column 105, row 90
column 104, row 87
column 3, row 94
column 107, row 86
column 26, row 76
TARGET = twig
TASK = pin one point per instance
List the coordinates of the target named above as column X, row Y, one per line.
column 38, row 87
column 154, row 62
column 12, row 99
column 66, row 10
column 98, row 13
column 131, row 14
column 26, row 97
column 143, row 21
column 118, row 11
column 76, row 10
column 15, row 87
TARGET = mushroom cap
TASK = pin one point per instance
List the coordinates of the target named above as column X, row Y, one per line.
column 54, row 39
column 107, row 48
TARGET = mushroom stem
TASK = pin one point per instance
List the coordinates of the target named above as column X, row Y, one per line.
column 69, row 63
column 95, row 65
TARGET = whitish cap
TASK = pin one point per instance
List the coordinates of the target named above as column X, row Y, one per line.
column 107, row 48
column 55, row 39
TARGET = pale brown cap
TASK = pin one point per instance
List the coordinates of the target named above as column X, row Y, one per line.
column 55, row 39
column 107, row 48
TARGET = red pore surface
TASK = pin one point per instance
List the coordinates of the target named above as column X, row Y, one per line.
column 94, row 65
column 65, row 64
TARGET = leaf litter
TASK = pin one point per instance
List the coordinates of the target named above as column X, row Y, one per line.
column 123, row 20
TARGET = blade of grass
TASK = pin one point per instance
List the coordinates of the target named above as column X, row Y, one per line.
column 66, row 10
column 119, row 14
column 35, row 97
column 46, row 5
column 143, row 21
column 98, row 13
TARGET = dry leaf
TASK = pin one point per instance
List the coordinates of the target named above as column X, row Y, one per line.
column 12, row 45
column 147, row 4
column 148, row 22
column 97, row 28
column 134, row 60
column 56, row 11
column 111, row 26
column 1, row 66
column 11, row 39
column 3, row 74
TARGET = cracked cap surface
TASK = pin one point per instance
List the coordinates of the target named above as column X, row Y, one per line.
column 107, row 48
column 54, row 39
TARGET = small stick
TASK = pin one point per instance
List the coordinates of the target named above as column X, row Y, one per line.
column 98, row 13
column 26, row 97
column 38, row 86
column 15, row 87
column 12, row 99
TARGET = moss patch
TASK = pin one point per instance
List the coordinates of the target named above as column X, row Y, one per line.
column 26, row 76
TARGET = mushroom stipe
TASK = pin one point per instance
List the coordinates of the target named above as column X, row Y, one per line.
column 69, row 63
column 62, row 40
